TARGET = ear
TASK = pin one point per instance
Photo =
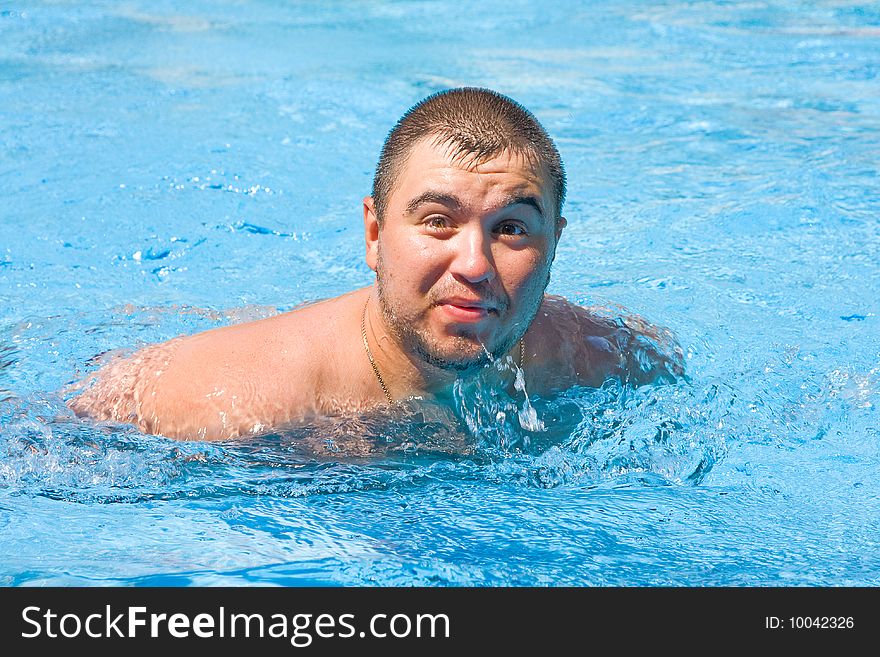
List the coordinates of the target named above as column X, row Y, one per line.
column 560, row 224
column 371, row 232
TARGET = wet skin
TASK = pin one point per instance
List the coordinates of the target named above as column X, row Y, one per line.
column 462, row 257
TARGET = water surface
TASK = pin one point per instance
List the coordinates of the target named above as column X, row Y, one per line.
column 170, row 169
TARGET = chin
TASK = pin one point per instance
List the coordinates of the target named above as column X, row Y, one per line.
column 458, row 364
column 461, row 356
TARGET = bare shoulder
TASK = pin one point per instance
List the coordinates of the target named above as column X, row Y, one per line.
column 220, row 383
column 125, row 385
column 595, row 343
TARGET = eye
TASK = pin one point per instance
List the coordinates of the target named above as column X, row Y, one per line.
column 437, row 222
column 511, row 228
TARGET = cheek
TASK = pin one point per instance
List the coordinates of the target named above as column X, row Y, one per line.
column 411, row 264
column 525, row 270
column 424, row 261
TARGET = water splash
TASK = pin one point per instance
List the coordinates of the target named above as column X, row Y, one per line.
column 491, row 414
column 527, row 416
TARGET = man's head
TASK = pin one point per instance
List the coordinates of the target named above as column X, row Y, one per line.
column 462, row 226
column 478, row 124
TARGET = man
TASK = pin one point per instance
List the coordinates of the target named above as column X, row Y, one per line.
column 461, row 230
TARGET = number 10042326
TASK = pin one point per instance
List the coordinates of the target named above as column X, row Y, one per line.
column 809, row 622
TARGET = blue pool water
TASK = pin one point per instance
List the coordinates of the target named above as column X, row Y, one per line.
column 169, row 168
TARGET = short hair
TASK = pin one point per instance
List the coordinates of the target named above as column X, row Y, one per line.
column 478, row 123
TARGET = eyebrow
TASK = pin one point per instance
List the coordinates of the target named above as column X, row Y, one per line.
column 525, row 200
column 453, row 203
column 424, row 198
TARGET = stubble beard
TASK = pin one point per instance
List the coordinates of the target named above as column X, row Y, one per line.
column 421, row 343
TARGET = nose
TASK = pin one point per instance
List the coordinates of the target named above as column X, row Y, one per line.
column 473, row 257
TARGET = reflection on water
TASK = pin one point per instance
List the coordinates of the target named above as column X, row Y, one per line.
column 7, row 360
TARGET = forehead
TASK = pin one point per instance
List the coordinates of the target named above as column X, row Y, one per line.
column 433, row 165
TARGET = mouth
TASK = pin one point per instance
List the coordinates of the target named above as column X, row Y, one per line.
column 467, row 310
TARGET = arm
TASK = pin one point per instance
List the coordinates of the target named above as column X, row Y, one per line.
column 650, row 352
column 176, row 389
column 135, row 390
column 616, row 344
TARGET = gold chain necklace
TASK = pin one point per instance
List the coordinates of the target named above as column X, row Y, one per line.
column 370, row 354
column 522, row 354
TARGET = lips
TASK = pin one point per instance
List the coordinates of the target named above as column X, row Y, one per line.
column 467, row 310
